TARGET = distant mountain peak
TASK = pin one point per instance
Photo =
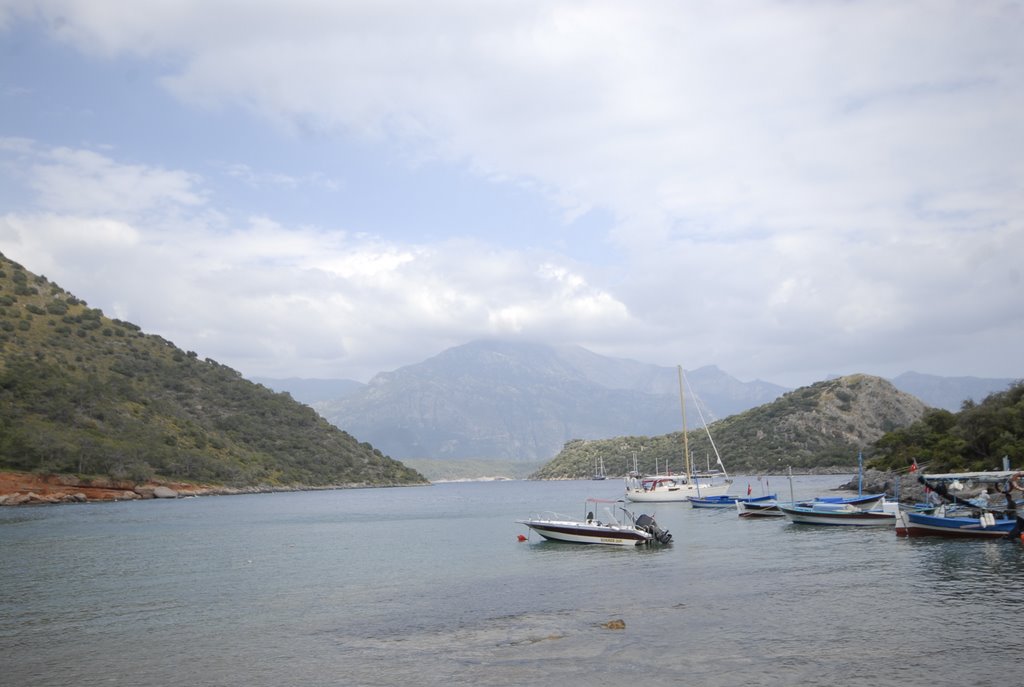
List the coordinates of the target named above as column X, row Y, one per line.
column 523, row 400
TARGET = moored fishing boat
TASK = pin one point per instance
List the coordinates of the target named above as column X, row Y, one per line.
column 619, row 528
column 967, row 510
column 942, row 524
column 880, row 513
column 759, row 509
column 719, row 501
column 862, row 510
column 727, row 501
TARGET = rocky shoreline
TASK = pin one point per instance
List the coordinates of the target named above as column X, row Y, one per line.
column 30, row 489
column 907, row 486
column 27, row 489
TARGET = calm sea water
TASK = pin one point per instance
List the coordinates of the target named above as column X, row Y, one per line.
column 429, row 586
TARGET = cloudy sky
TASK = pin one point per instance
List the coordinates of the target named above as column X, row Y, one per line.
column 331, row 188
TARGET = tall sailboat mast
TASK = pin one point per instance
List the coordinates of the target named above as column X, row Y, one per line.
column 686, row 439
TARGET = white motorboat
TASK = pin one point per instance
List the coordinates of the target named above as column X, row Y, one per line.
column 619, row 526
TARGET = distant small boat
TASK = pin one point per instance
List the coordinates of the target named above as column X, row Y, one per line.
column 599, row 469
column 619, row 528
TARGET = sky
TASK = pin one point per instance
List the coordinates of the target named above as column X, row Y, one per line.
column 787, row 189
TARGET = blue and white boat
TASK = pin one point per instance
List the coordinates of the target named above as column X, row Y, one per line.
column 941, row 524
column 727, row 501
column 759, row 509
column 963, row 515
column 861, row 511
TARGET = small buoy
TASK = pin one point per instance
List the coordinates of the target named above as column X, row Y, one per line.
column 522, row 537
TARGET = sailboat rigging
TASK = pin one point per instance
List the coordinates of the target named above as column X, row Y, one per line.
column 669, row 487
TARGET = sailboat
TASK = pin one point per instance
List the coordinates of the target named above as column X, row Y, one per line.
column 662, row 488
column 598, row 469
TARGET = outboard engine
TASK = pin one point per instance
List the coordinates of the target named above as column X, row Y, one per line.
column 646, row 522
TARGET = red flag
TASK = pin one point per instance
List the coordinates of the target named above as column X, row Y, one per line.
column 913, row 468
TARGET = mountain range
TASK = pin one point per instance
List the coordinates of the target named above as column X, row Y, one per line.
column 523, row 401
column 519, row 401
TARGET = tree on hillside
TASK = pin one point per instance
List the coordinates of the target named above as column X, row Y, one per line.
column 976, row 438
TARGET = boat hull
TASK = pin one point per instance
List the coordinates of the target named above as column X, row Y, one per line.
column 581, row 533
column 722, row 501
column 726, row 501
column 679, row 492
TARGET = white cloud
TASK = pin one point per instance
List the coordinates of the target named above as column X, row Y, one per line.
column 272, row 299
column 797, row 187
column 738, row 116
column 83, row 181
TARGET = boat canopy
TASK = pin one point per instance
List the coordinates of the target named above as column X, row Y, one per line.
column 969, row 477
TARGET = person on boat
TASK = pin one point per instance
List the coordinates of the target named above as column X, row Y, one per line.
column 1011, row 510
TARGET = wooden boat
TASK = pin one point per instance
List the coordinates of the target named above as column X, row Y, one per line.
column 843, row 512
column 619, row 528
column 727, row 501
column 759, row 509
column 861, row 501
column 862, row 510
column 960, row 516
column 667, row 488
column 941, row 524
column 720, row 501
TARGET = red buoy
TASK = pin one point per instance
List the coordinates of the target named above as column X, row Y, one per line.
column 522, row 537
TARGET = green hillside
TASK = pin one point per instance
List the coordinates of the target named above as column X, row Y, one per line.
column 818, row 426
column 82, row 393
